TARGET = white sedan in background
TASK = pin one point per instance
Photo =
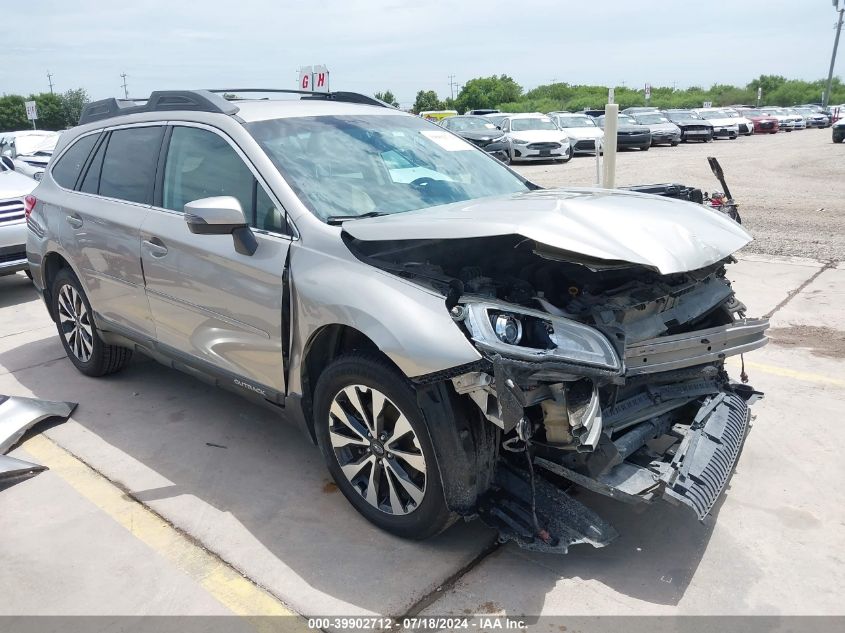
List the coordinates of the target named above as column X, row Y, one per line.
column 581, row 130
column 723, row 125
column 745, row 125
column 535, row 137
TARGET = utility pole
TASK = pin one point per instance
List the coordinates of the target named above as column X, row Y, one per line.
column 125, row 89
column 50, row 80
column 452, row 85
column 826, row 99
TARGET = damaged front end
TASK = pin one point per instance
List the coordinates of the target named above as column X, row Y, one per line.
column 609, row 375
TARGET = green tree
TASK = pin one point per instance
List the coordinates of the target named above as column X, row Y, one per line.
column 427, row 100
column 13, row 113
column 72, row 103
column 50, row 111
column 488, row 92
column 387, row 97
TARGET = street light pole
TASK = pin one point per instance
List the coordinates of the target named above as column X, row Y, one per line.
column 826, row 99
column 125, row 89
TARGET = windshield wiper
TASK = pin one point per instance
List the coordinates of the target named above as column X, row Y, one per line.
column 340, row 219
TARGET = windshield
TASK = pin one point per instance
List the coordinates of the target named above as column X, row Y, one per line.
column 575, row 121
column 651, row 118
column 377, row 164
column 538, row 123
column 682, row 114
column 712, row 115
column 468, row 124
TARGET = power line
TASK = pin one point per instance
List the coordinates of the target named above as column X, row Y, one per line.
column 452, row 85
column 50, row 80
column 125, row 89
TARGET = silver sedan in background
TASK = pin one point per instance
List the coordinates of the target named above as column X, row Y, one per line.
column 663, row 131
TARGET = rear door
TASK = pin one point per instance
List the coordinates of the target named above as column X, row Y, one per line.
column 213, row 306
column 103, row 221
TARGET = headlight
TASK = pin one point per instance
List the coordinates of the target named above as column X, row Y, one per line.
column 500, row 139
column 532, row 335
column 519, row 141
column 508, row 328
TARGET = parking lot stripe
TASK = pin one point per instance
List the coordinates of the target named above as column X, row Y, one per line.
column 224, row 583
column 792, row 373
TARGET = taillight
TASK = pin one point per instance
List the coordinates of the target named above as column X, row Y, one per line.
column 28, row 205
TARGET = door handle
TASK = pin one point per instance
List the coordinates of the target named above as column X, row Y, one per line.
column 155, row 247
column 74, row 220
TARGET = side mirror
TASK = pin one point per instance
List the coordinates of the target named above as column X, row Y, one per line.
column 8, row 163
column 221, row 215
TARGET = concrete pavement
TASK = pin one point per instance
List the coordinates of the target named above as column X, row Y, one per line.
column 252, row 491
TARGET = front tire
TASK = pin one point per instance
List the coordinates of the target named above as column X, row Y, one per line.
column 377, row 448
column 78, row 332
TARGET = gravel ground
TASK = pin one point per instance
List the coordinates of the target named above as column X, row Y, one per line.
column 790, row 186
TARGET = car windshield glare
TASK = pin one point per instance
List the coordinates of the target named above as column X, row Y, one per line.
column 575, row 121
column 378, row 164
column 468, row 124
column 651, row 118
column 534, row 123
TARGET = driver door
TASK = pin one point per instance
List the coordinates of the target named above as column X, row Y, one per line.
column 212, row 306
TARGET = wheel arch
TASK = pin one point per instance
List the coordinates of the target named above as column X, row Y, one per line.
column 51, row 264
column 325, row 345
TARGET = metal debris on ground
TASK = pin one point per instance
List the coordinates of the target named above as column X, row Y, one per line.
column 17, row 416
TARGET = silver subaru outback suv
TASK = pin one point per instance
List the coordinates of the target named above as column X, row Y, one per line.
column 458, row 341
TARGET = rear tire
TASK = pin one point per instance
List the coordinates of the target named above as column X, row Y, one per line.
column 377, row 447
column 78, row 332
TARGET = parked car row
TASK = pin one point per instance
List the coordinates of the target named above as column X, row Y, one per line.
column 29, row 150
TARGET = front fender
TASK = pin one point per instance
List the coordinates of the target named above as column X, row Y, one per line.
column 408, row 323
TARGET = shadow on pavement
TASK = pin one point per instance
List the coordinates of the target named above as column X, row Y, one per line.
column 268, row 479
column 16, row 289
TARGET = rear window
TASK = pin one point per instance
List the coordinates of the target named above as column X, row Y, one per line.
column 129, row 165
column 67, row 168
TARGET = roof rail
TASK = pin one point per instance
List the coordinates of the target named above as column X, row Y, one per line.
column 347, row 97
column 203, row 101
column 158, row 101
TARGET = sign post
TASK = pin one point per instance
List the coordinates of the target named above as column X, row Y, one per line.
column 759, row 95
column 31, row 112
column 707, row 104
column 647, row 93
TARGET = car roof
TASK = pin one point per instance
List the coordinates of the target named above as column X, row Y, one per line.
column 263, row 109
column 528, row 115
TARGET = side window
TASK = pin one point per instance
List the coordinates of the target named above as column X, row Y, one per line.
column 91, row 182
column 201, row 164
column 129, row 165
column 267, row 215
column 66, row 170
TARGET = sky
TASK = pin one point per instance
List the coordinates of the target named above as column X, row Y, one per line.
column 373, row 45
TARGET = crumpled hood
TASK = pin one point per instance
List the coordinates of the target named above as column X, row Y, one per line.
column 667, row 235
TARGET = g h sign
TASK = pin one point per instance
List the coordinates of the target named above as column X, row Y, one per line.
column 314, row 78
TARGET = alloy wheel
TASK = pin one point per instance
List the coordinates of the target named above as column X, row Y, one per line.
column 377, row 449
column 75, row 323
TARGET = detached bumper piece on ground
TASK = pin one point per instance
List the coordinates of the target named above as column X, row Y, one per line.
column 17, row 416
